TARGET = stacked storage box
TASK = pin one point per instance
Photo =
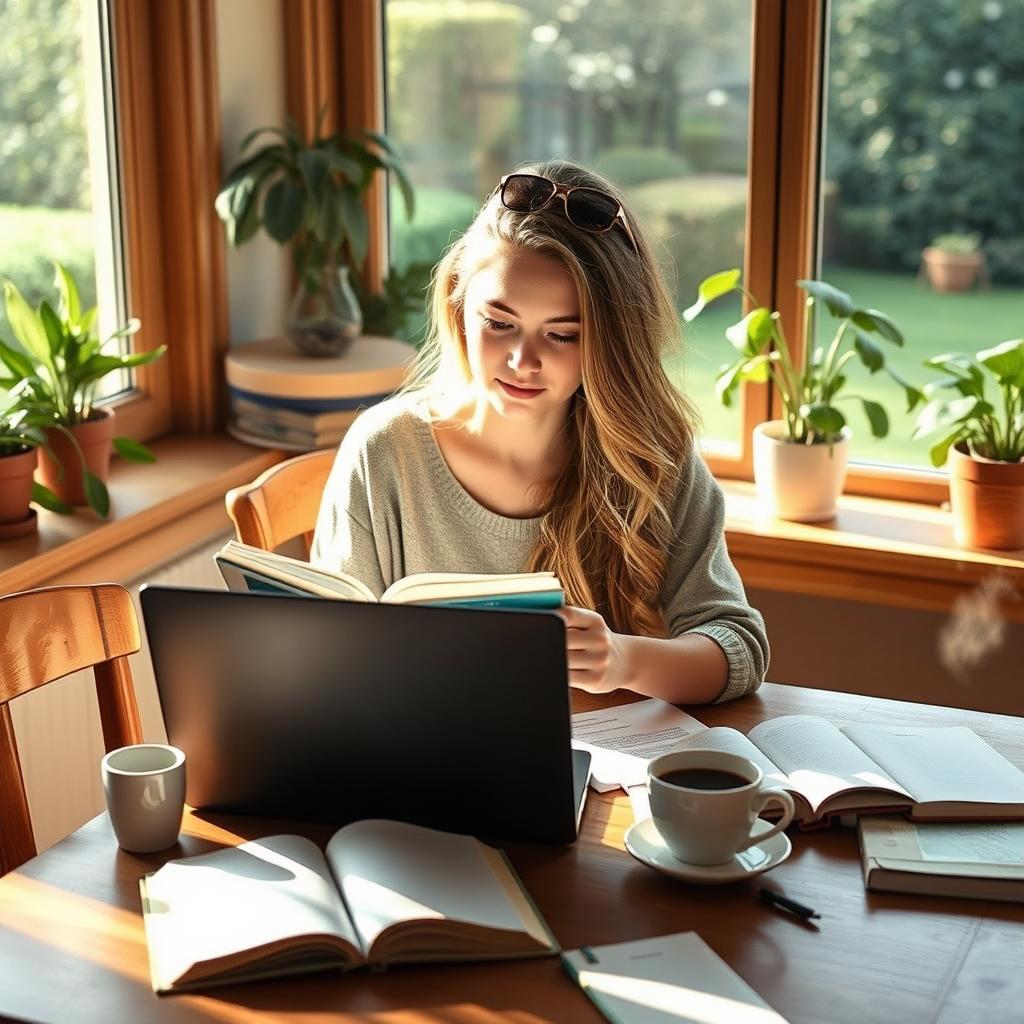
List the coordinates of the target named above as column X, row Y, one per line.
column 281, row 398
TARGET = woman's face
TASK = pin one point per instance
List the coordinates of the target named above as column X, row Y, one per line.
column 522, row 323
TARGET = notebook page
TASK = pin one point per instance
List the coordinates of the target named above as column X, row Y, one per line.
column 389, row 872
column 672, row 979
column 818, row 759
column 239, row 898
column 951, row 764
column 731, row 741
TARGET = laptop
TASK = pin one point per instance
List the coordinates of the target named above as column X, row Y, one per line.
column 305, row 708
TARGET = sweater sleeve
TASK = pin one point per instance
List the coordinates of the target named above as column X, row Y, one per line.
column 344, row 539
column 703, row 592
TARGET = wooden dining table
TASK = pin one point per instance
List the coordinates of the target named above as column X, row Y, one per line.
column 73, row 950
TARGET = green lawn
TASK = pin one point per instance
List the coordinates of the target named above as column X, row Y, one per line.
column 932, row 323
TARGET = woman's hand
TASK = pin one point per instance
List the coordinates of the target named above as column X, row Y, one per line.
column 596, row 655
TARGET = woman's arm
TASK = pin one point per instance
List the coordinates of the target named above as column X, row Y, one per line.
column 688, row 669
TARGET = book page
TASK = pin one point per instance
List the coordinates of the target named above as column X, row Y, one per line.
column 239, row 899
column 731, row 741
column 451, row 586
column 622, row 739
column 292, row 572
column 819, row 761
column 948, row 765
column 391, row 872
column 672, row 979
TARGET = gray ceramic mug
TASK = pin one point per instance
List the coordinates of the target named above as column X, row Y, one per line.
column 144, row 785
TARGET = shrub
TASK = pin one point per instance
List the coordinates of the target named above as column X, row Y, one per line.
column 637, row 165
column 698, row 220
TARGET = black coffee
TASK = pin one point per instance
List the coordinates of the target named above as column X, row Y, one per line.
column 704, row 778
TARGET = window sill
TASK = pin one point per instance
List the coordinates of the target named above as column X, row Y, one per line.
column 876, row 550
column 157, row 511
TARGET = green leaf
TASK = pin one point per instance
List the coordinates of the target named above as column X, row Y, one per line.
column 711, row 288
column 314, row 166
column 16, row 361
column 385, row 143
column 825, row 419
column 132, row 327
column 45, row 498
column 281, row 133
column 756, row 369
column 69, row 301
column 357, row 226
column 283, row 210
column 133, row 451
column 878, row 323
column 950, row 362
column 750, row 335
column 839, row 303
column 25, row 323
column 727, row 381
column 940, row 413
column 96, row 493
column 940, row 452
column 870, row 354
column 877, row 417
column 350, row 169
column 53, row 327
column 406, row 188
column 1006, row 361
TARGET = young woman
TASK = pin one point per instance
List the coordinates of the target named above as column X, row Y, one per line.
column 542, row 433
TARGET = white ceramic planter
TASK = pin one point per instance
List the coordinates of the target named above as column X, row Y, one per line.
column 798, row 481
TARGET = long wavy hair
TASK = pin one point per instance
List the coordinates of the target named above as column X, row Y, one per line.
column 606, row 528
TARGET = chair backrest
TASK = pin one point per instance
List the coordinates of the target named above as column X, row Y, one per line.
column 282, row 502
column 47, row 634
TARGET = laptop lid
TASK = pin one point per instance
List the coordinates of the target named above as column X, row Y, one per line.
column 333, row 710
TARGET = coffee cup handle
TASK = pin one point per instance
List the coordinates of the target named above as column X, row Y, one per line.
column 768, row 796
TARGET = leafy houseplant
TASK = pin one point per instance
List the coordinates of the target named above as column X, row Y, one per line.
column 803, row 486
column 56, row 374
column 983, row 441
column 309, row 194
column 952, row 262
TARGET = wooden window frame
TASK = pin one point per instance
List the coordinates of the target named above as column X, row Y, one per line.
column 168, row 131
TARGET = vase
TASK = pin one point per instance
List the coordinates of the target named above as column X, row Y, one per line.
column 62, row 472
column 800, row 482
column 987, row 498
column 951, row 271
column 324, row 320
column 16, row 517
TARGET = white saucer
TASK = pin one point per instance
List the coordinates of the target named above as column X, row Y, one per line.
column 645, row 843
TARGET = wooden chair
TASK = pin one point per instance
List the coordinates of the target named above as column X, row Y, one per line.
column 47, row 634
column 282, row 502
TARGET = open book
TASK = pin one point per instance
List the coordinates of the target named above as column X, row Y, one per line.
column 386, row 893
column 933, row 774
column 247, row 568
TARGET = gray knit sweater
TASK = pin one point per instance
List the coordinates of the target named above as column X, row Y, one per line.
column 392, row 507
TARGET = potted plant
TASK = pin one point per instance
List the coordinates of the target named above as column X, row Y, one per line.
column 21, row 435
column 800, row 460
column 952, row 262
column 57, row 372
column 309, row 194
column 982, row 440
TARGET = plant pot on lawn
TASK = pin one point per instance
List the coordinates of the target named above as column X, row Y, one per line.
column 988, row 500
column 798, row 481
column 95, row 439
column 951, row 271
column 16, row 517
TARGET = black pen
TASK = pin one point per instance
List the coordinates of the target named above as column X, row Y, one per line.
column 776, row 899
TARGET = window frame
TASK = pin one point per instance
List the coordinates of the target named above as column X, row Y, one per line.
column 788, row 54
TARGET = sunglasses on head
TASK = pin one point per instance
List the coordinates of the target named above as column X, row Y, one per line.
column 587, row 208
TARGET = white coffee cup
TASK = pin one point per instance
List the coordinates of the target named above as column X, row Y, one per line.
column 707, row 826
column 145, row 789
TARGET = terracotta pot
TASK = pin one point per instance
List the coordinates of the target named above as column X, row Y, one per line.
column 16, row 518
column 95, row 438
column 951, row 271
column 987, row 499
column 798, row 481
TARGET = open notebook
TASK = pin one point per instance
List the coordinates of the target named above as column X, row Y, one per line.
column 932, row 774
column 386, row 893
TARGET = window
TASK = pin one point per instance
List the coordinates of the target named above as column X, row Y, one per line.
column 923, row 137
column 59, row 192
column 656, row 98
